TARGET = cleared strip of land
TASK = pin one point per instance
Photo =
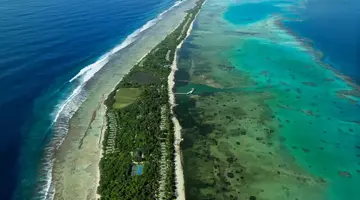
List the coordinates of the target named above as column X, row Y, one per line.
column 125, row 96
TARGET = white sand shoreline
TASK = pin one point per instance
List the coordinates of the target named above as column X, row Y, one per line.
column 101, row 139
column 179, row 172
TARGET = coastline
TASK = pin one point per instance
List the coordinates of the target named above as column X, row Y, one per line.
column 179, row 172
column 104, row 125
column 121, row 125
column 103, row 129
column 275, row 112
column 77, row 165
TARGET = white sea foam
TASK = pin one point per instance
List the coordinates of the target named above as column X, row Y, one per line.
column 89, row 71
column 68, row 107
column 59, row 129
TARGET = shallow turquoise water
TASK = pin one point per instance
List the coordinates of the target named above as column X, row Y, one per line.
column 316, row 141
column 249, row 12
column 317, row 125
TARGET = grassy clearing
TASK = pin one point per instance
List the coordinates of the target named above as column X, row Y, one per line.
column 125, row 96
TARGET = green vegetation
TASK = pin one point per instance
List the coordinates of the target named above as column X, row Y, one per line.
column 138, row 119
column 125, row 96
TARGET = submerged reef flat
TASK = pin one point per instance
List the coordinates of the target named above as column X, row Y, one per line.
column 234, row 152
column 268, row 118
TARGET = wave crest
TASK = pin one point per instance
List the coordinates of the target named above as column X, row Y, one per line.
column 89, row 71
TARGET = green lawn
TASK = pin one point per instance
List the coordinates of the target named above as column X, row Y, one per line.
column 125, row 96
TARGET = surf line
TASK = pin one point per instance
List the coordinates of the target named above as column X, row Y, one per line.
column 46, row 187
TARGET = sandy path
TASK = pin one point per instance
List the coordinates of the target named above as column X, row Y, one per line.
column 179, row 173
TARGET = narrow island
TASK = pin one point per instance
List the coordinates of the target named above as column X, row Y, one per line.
column 141, row 146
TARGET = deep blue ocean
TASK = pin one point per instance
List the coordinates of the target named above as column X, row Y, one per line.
column 44, row 44
column 333, row 26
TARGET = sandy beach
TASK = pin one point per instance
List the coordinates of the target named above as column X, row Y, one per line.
column 76, row 167
column 179, row 173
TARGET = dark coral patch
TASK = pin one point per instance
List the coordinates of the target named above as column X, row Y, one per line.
column 230, row 160
column 305, row 150
column 309, row 84
column 252, row 198
column 321, row 180
column 329, row 79
column 345, row 174
column 230, row 175
column 265, row 73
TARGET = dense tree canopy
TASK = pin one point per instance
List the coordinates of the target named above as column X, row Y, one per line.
column 136, row 127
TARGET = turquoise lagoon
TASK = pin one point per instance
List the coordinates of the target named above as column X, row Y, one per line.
column 250, row 12
column 268, row 119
